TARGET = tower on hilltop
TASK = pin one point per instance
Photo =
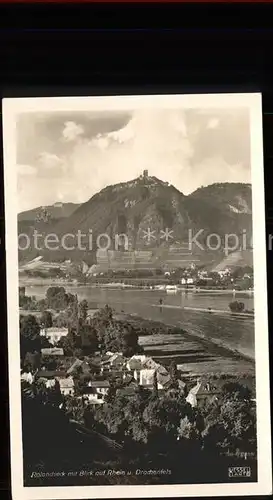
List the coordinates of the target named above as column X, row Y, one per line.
column 145, row 174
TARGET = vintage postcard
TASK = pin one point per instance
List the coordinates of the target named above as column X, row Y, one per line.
column 137, row 296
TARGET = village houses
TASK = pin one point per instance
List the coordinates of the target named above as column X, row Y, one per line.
column 114, row 361
column 54, row 334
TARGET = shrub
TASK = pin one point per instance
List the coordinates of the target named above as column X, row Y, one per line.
column 236, row 306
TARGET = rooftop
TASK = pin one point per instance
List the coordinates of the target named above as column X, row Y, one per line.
column 51, row 373
column 203, row 389
column 66, row 382
column 77, row 363
column 150, row 364
column 126, row 391
column 99, row 383
column 55, row 329
column 87, row 390
column 54, row 351
column 113, row 357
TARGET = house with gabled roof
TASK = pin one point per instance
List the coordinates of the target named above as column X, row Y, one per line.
column 201, row 392
column 113, row 361
column 91, row 397
column 54, row 334
column 144, row 368
column 79, row 363
column 66, row 386
column 135, row 362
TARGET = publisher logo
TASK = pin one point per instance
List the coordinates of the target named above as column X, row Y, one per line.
column 239, row 472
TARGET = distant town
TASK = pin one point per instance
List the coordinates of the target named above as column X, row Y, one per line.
column 194, row 276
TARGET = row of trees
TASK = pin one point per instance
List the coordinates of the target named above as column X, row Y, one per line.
column 102, row 332
column 56, row 298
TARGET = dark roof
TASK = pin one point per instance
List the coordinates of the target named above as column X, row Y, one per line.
column 75, row 365
column 50, row 373
column 88, row 390
column 79, row 363
column 99, row 383
column 181, row 384
column 129, row 378
column 126, row 391
column 114, row 357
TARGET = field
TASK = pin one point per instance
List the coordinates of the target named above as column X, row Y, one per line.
column 194, row 356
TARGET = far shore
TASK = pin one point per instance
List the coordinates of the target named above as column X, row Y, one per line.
column 206, row 310
column 118, row 286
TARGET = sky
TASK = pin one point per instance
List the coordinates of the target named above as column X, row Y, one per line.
column 70, row 156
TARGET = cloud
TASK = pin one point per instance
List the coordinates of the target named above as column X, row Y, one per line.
column 49, row 160
column 72, row 131
column 124, row 134
column 215, row 169
column 151, row 140
column 213, row 123
column 174, row 145
column 26, row 170
column 102, row 142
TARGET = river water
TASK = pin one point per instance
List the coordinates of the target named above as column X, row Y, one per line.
column 234, row 332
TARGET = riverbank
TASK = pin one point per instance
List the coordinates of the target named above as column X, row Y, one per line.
column 207, row 310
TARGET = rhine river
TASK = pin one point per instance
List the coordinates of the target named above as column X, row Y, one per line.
column 235, row 332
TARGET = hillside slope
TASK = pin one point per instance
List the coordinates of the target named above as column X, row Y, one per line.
column 57, row 211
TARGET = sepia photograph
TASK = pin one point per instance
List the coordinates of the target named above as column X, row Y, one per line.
column 137, row 296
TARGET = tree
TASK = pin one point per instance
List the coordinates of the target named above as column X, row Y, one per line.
column 173, row 376
column 49, row 362
column 61, row 320
column 32, row 361
column 46, row 319
column 235, row 390
column 104, row 316
column 42, row 305
column 57, row 298
column 114, row 335
column 163, row 415
column 83, row 309
column 89, row 339
column 67, row 344
column 74, row 320
column 155, row 385
column 111, row 395
column 74, row 409
column 30, row 340
column 188, row 429
column 231, row 424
